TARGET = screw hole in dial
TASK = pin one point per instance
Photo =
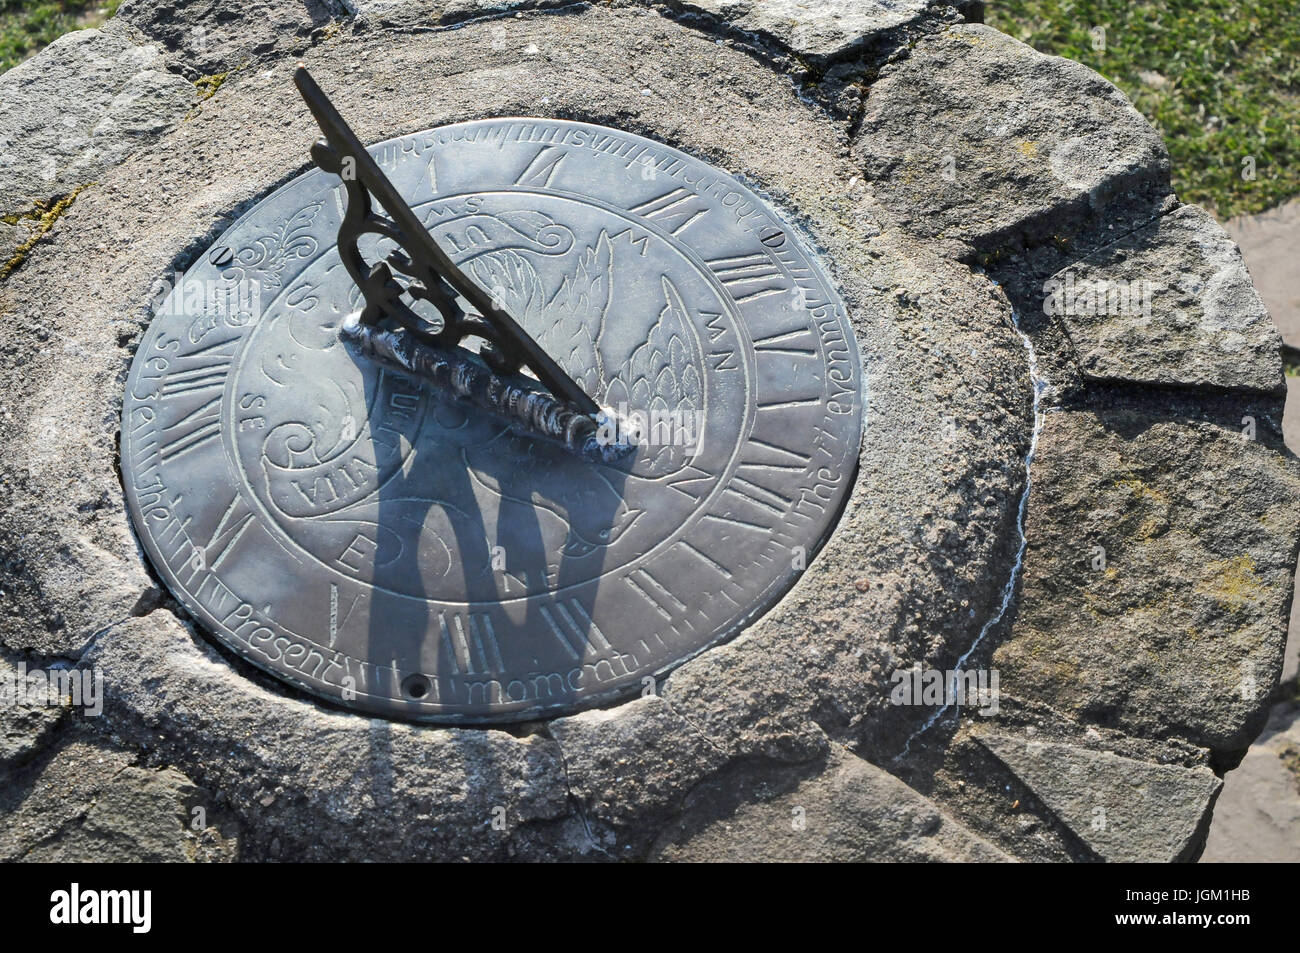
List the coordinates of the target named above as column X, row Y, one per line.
column 416, row 687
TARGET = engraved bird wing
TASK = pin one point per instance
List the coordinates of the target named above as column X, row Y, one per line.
column 511, row 278
column 568, row 326
column 573, row 321
column 663, row 379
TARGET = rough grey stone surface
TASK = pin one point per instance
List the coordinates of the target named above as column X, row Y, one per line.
column 78, row 107
column 849, row 812
column 923, row 570
column 1171, row 303
column 206, row 37
column 1257, row 817
column 11, row 236
column 1108, row 800
column 317, row 784
column 24, row 727
column 85, row 801
column 1157, row 579
column 827, row 29
column 424, row 14
column 979, row 141
column 211, row 37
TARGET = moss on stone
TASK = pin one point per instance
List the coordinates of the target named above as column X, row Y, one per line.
column 207, row 87
column 1233, row 582
column 40, row 218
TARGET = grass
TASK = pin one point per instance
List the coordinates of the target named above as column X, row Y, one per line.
column 26, row 26
column 1219, row 78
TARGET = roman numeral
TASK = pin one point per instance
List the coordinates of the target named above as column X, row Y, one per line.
column 735, row 521
column 233, row 524
column 655, row 593
column 759, row 496
column 204, row 369
column 775, row 457
column 705, row 558
column 484, row 640
column 193, row 430
column 690, row 474
column 782, row 343
column 200, row 374
column 541, row 170
column 747, row 277
column 471, row 643
column 789, row 404
column 672, row 211
column 574, row 630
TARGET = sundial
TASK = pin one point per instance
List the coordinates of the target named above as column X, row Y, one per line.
column 493, row 421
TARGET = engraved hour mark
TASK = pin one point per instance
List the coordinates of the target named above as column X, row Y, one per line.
column 211, row 364
column 705, row 558
column 734, row 521
column 654, row 592
column 789, row 404
column 575, row 630
column 759, row 496
column 784, row 344
column 193, row 430
column 747, row 277
column 672, row 211
column 470, row 643
column 233, row 524
column 334, row 614
column 205, row 372
column 541, row 170
column 786, row 459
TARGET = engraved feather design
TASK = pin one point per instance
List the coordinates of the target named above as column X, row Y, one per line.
column 568, row 327
column 663, row 375
column 662, row 379
column 573, row 322
column 511, row 278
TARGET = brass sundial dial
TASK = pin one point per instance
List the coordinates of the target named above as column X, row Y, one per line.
column 493, row 421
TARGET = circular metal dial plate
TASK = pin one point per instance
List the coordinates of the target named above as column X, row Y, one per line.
column 348, row 530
